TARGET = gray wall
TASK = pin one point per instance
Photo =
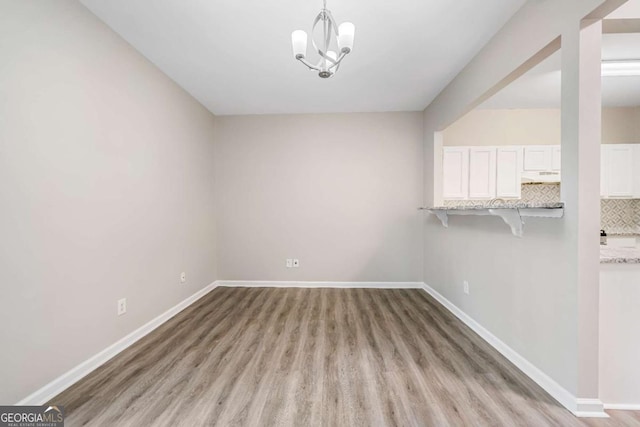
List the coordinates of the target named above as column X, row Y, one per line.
column 519, row 288
column 106, row 187
column 339, row 192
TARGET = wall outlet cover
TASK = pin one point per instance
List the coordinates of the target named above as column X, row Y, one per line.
column 296, row 263
column 183, row 277
column 122, row 306
column 289, row 263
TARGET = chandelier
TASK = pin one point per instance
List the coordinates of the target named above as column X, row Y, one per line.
column 332, row 34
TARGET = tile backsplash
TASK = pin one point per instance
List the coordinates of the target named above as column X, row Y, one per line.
column 620, row 216
column 541, row 193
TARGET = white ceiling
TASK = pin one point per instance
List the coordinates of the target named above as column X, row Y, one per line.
column 235, row 56
column 540, row 87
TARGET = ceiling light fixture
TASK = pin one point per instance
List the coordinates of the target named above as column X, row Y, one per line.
column 621, row 68
column 329, row 59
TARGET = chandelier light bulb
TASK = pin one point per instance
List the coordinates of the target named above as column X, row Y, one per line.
column 299, row 43
column 346, row 33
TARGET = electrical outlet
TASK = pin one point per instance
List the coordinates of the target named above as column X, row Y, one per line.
column 296, row 263
column 289, row 263
column 122, row 306
column 183, row 277
column 465, row 284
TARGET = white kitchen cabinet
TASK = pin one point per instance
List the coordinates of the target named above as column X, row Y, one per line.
column 617, row 170
column 538, row 158
column 636, row 171
column 556, row 158
column 604, row 176
column 455, row 168
column 542, row 158
column 482, row 173
column 509, row 172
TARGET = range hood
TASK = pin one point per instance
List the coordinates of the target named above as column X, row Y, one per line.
column 531, row 177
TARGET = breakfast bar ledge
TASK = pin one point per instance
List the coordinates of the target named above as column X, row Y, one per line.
column 511, row 213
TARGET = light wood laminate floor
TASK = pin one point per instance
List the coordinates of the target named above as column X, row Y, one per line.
column 314, row 357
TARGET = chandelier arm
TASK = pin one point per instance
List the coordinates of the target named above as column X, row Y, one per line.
column 335, row 67
column 309, row 65
column 338, row 61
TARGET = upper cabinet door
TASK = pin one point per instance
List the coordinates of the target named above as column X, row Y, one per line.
column 604, row 171
column 509, row 172
column 556, row 158
column 482, row 172
column 455, row 168
column 618, row 167
column 537, row 158
column 636, row 171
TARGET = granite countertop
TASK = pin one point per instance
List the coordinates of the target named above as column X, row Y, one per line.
column 507, row 205
column 612, row 255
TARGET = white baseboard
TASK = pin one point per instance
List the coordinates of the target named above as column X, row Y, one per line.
column 623, row 406
column 303, row 284
column 579, row 407
column 589, row 408
column 69, row 378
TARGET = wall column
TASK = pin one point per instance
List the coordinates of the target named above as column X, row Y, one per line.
column 581, row 139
